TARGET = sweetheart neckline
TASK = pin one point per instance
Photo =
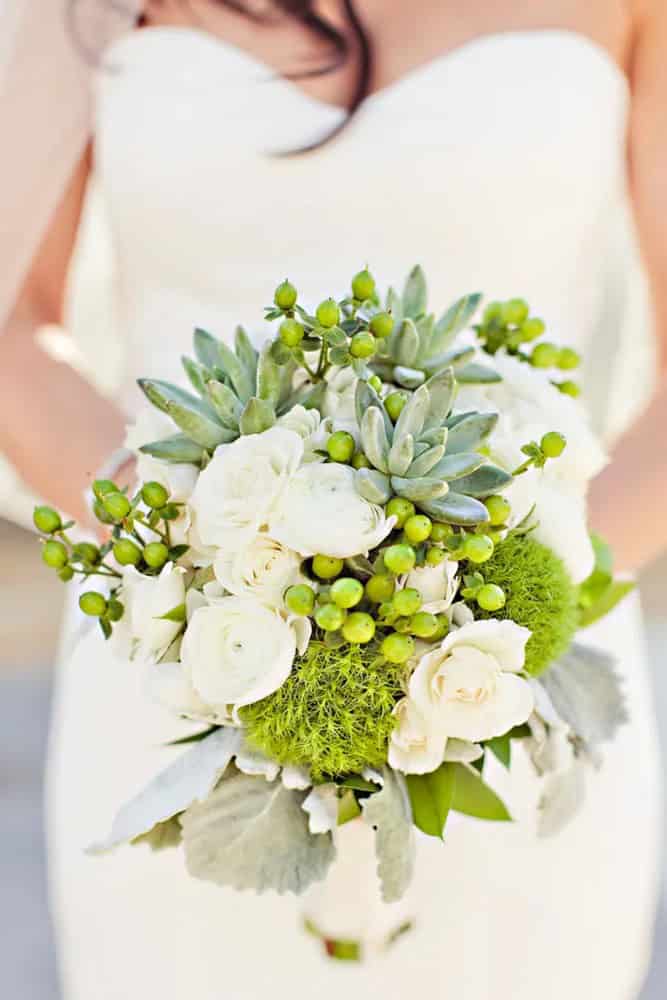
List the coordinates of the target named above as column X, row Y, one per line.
column 449, row 56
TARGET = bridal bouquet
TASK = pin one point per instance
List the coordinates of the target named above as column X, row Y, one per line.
column 359, row 566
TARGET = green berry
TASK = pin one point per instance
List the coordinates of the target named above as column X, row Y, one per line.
column 441, row 532
column 126, row 552
column 340, row 446
column 399, row 558
column 285, row 295
column 375, row 382
column 363, row 285
column 569, row 389
column 328, row 314
column 363, row 345
column 66, row 574
column 568, row 359
column 491, row 597
column 327, row 567
column 170, row 512
column 346, row 592
column 382, row 324
column 401, row 509
column 359, row 461
column 402, row 625
column 116, row 505
column 434, row 557
column 553, row 444
column 46, row 519
column 407, row 602
column 499, row 509
column 394, row 404
column 101, row 514
column 86, row 552
column 330, row 617
column 300, row 599
column 531, row 329
column 54, row 554
column 398, row 648
column 358, row 628
column 443, row 628
column 115, row 610
column 291, row 332
column 418, row 528
column 478, row 548
column 493, row 311
column 515, row 312
column 156, row 555
column 424, row 625
column 93, row 604
column 154, row 495
column 102, row 487
column 544, row 355
column 380, row 588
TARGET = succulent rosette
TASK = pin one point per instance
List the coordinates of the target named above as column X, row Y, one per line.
column 357, row 560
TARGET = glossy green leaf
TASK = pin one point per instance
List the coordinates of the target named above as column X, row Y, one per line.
column 616, row 591
column 431, row 798
column 474, row 798
column 501, row 748
column 176, row 614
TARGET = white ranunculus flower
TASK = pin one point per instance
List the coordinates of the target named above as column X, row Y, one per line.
column 339, row 401
column 468, row 686
column 261, row 568
column 244, row 483
column 436, row 584
column 415, row 746
column 322, row 512
column 237, row 651
column 528, row 407
column 142, row 633
column 303, row 422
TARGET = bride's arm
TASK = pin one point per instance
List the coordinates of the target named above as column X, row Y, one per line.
column 53, row 425
column 629, row 498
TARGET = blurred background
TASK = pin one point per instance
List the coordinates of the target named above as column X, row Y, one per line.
column 30, row 607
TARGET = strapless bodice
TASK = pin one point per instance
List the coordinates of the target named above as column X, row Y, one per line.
column 499, row 166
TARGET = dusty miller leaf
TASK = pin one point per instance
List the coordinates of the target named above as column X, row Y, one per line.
column 253, row 834
column 388, row 812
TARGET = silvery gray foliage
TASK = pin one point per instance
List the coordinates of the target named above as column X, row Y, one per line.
column 190, row 778
column 253, row 834
column 586, row 693
column 388, row 812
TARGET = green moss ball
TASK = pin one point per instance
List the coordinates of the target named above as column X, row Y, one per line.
column 332, row 715
column 539, row 594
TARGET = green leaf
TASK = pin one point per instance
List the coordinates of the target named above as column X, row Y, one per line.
column 177, row 449
column 431, row 798
column 467, row 433
column 339, row 356
column 394, row 306
column 458, row 465
column 406, row 344
column 454, row 508
column 245, row 351
column 193, row 737
column 442, row 391
column 372, row 485
column 195, row 374
column 408, row 378
column 388, row 812
column 484, row 481
column 456, row 318
column 280, row 352
column 476, row 374
column 243, row 382
column 501, row 747
column 176, row 614
column 225, row 403
column 359, row 784
column 206, row 348
column 401, row 454
column 207, row 432
column 257, row 416
column 427, row 488
column 163, row 394
column 426, row 462
column 449, row 359
column 474, row 798
column 365, row 397
column 413, row 414
column 176, row 551
column 269, row 377
column 336, row 337
column 613, row 595
column 374, row 439
column 415, row 293
column 253, row 834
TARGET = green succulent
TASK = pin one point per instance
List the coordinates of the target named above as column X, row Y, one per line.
column 420, row 345
column 428, row 456
column 239, row 391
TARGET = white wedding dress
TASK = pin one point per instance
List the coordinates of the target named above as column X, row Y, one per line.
column 499, row 166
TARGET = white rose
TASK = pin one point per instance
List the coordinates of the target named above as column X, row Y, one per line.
column 468, row 687
column 322, row 512
column 142, row 633
column 415, row 746
column 178, row 478
column 243, row 484
column 528, row 407
column 261, row 568
column 436, row 584
column 237, row 651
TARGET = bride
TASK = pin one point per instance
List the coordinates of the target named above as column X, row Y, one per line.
column 515, row 147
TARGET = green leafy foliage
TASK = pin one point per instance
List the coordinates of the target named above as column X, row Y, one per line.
column 473, row 796
column 431, row 798
column 600, row 592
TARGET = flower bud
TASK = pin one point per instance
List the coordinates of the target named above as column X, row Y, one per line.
column 285, row 295
column 330, row 617
column 399, row 559
column 382, row 324
column 328, row 313
column 300, row 599
column 478, row 548
column 156, row 555
column 553, row 444
column 394, row 404
column 93, row 604
column 340, row 446
column 346, row 592
column 46, row 519
column 291, row 332
column 358, row 628
column 54, row 554
column 363, row 285
column 491, row 597
column 116, row 505
column 327, row 567
column 398, row 648
column 127, row 552
column 154, row 495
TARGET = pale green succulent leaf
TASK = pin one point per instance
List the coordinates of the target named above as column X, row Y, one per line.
column 453, row 321
column 374, row 439
column 242, row 380
column 372, row 485
column 425, row 330
column 401, row 454
column 406, row 344
column 426, row 462
column 257, row 416
column 459, row 464
column 434, row 436
column 163, row 394
column 176, row 449
column 394, row 305
column 206, row 348
column 365, row 397
column 415, row 293
column 442, row 391
column 470, row 431
column 408, row 378
column 413, row 414
column 476, row 374
column 246, row 353
column 450, row 359
column 454, row 508
column 419, row 490
column 196, row 375
column 225, row 403
column 269, row 377
column 202, row 429
column 484, row 481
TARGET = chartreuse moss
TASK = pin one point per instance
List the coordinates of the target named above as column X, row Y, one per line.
column 538, row 594
column 333, row 714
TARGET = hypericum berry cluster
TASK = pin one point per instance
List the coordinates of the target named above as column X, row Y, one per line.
column 151, row 510
column 509, row 325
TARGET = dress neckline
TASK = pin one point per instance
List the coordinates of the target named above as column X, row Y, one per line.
column 450, row 56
